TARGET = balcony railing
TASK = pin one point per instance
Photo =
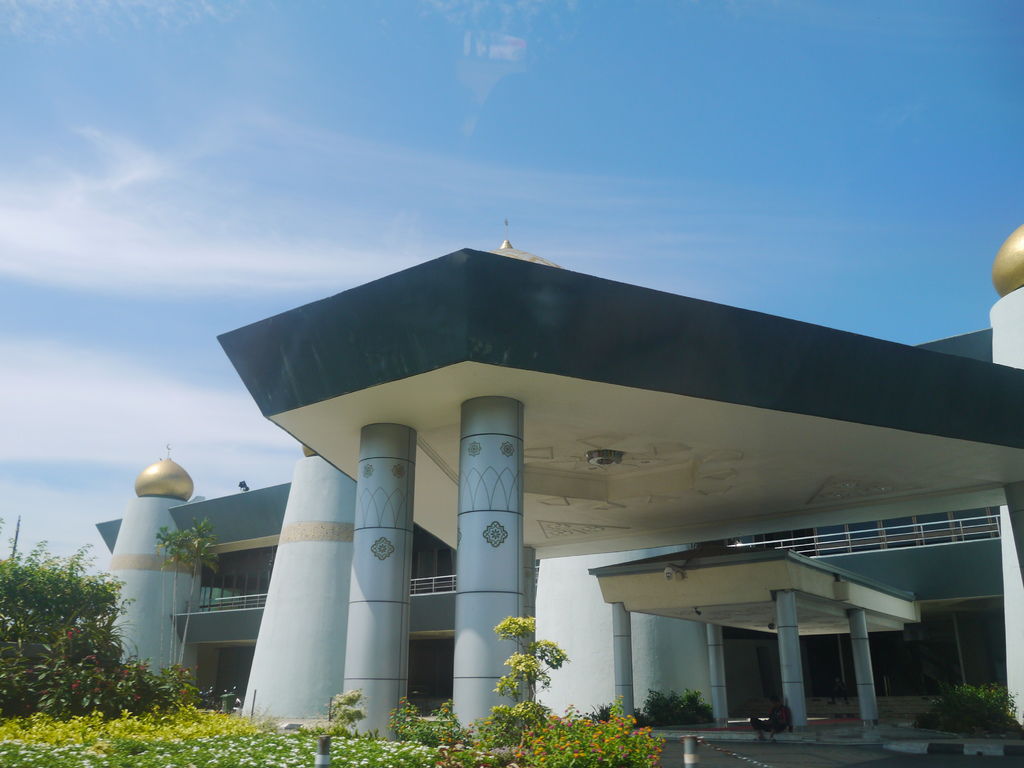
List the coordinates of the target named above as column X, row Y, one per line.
column 234, row 603
column 429, row 586
column 432, row 585
column 885, row 536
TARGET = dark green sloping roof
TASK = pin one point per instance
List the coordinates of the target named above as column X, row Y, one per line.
column 476, row 306
column 239, row 516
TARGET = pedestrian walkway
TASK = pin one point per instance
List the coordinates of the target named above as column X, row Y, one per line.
column 818, row 730
column 851, row 732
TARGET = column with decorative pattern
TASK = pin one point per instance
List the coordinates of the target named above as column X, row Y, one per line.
column 376, row 654
column 490, row 572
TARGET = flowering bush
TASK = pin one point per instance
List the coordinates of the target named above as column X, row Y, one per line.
column 60, row 651
column 191, row 737
column 580, row 742
column 441, row 729
column 57, row 683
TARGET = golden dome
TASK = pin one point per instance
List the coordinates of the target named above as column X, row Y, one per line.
column 506, row 249
column 1008, row 268
column 165, row 478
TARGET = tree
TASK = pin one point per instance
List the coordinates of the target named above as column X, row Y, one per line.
column 60, row 650
column 49, row 600
column 531, row 665
column 190, row 549
column 530, row 670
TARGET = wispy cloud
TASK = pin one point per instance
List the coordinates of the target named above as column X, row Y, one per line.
column 88, row 421
column 53, row 18
column 262, row 205
column 143, row 222
column 98, row 408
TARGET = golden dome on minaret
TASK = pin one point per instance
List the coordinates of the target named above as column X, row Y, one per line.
column 165, row 478
column 506, row 249
column 1008, row 268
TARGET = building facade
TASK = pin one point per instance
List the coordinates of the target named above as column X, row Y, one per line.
column 717, row 499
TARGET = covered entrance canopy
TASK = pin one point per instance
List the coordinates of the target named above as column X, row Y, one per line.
column 730, row 422
column 738, row 590
column 774, row 591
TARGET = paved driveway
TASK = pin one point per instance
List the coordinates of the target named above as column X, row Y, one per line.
column 796, row 755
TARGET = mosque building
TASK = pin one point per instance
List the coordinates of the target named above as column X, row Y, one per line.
column 685, row 494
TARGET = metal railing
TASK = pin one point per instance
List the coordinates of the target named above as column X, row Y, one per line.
column 233, row 603
column 885, row 536
column 432, row 585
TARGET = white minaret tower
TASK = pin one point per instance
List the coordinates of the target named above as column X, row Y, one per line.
column 1007, row 319
column 299, row 662
column 155, row 592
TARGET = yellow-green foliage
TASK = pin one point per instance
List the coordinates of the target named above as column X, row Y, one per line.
column 182, row 725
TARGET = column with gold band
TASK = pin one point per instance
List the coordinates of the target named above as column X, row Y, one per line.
column 298, row 664
column 153, row 592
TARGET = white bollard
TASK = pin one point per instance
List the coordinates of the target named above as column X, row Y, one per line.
column 690, row 750
column 323, row 751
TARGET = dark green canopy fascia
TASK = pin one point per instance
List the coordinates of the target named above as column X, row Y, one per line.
column 485, row 308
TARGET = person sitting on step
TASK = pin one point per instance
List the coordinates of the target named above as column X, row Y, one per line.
column 779, row 719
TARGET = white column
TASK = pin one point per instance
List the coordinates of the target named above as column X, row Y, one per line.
column 1015, row 514
column 489, row 566
column 299, row 662
column 149, row 585
column 1007, row 320
column 789, row 656
column 862, row 666
column 1011, row 523
column 716, row 664
column 377, row 650
column 622, row 650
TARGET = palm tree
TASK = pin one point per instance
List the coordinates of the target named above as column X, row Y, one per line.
column 190, row 549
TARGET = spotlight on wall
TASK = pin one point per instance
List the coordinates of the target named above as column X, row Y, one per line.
column 771, row 625
column 697, row 611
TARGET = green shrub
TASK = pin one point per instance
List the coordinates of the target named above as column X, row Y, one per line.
column 61, row 652
column 581, row 742
column 674, row 708
column 507, row 726
column 972, row 709
column 187, row 723
column 442, row 729
column 347, row 708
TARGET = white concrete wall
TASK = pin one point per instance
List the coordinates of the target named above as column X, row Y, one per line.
column 150, row 589
column 668, row 654
column 299, row 661
column 1013, row 612
column 1007, row 319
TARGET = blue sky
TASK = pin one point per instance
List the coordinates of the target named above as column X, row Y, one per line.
column 173, row 170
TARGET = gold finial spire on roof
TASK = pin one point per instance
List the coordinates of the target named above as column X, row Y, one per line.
column 1008, row 268
column 506, row 249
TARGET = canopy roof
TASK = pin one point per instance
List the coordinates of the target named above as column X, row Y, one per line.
column 736, row 590
column 731, row 421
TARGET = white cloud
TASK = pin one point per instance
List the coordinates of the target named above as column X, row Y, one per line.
column 79, row 406
column 143, row 222
column 52, row 18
